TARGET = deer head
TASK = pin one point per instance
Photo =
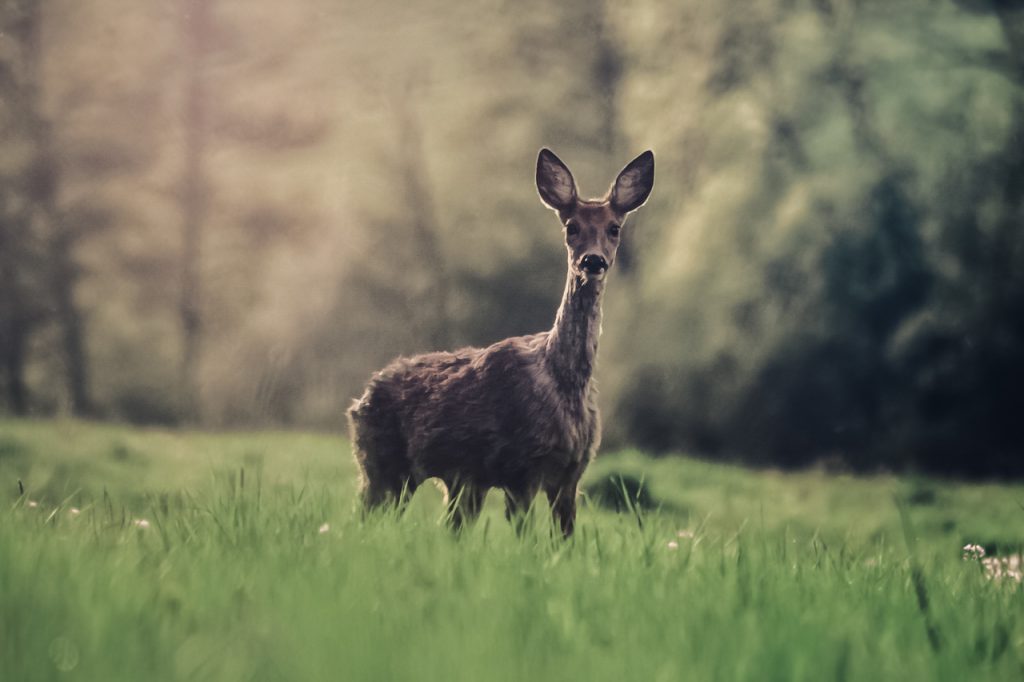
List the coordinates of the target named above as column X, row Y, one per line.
column 592, row 227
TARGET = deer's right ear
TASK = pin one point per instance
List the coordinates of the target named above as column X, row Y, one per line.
column 554, row 182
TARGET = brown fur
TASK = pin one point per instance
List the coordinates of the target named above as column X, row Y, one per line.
column 521, row 414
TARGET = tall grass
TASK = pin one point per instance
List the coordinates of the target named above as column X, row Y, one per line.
column 270, row 574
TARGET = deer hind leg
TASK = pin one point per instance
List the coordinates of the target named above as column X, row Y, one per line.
column 563, row 505
column 463, row 502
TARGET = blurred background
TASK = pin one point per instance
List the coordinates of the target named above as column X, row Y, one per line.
column 228, row 213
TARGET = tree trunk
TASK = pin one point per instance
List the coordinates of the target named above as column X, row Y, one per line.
column 64, row 275
column 60, row 238
column 607, row 70
column 14, row 329
column 193, row 205
column 14, row 369
column 426, row 232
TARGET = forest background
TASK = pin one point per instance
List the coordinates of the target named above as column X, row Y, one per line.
column 228, row 213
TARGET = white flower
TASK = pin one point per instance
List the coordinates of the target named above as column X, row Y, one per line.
column 672, row 544
column 688, row 534
column 141, row 523
column 74, row 511
column 32, row 504
column 324, row 528
column 973, row 552
column 998, row 568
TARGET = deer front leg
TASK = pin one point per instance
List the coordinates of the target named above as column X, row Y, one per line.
column 563, row 506
column 377, row 491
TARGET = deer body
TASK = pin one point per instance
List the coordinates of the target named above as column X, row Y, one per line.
column 520, row 415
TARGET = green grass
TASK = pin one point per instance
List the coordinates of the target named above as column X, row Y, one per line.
column 800, row 576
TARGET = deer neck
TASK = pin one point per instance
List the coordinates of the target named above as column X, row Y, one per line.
column 572, row 343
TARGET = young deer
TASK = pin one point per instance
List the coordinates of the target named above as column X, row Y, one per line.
column 520, row 415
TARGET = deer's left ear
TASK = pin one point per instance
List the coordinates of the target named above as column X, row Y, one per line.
column 634, row 184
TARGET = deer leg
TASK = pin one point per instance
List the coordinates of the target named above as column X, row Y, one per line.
column 381, row 454
column 517, row 504
column 374, row 495
column 385, row 479
column 464, row 501
column 563, row 506
column 409, row 486
column 383, row 492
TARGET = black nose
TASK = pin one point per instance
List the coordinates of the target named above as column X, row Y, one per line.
column 593, row 264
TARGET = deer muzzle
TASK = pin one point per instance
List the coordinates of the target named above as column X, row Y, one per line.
column 593, row 265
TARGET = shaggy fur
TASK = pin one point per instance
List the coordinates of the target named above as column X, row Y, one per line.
column 520, row 415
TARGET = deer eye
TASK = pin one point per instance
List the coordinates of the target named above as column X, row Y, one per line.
column 614, row 230
column 572, row 229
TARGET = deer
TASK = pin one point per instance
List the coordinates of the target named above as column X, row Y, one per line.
column 520, row 415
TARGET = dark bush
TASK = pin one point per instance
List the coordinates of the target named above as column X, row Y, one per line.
column 621, row 492
column 145, row 406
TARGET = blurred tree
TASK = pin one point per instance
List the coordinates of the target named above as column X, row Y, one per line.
column 964, row 358
column 830, row 265
column 421, row 223
column 254, row 111
column 37, row 236
column 21, row 297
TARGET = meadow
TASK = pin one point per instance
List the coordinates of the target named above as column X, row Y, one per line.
column 131, row 554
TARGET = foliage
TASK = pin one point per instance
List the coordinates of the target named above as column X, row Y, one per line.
column 838, row 296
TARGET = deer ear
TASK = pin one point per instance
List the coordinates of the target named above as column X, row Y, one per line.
column 634, row 184
column 554, row 181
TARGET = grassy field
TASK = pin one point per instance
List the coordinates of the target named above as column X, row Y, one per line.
column 164, row 555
